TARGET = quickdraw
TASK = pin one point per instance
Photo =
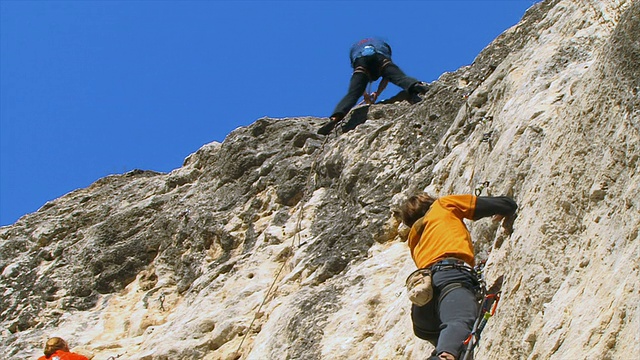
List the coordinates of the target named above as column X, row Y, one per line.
column 486, row 137
column 237, row 354
column 481, row 187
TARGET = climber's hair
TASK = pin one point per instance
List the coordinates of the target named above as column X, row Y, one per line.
column 415, row 207
column 54, row 344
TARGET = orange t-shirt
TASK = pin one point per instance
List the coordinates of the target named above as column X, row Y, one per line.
column 63, row 355
column 441, row 233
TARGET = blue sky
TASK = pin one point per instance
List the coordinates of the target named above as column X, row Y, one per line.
column 93, row 88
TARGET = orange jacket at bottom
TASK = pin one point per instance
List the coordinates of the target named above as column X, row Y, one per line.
column 63, row 355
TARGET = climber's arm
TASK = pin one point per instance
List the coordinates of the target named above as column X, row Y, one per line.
column 383, row 85
column 502, row 206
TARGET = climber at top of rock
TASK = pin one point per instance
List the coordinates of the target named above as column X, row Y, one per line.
column 371, row 59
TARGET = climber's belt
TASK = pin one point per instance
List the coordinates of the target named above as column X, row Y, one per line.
column 450, row 263
column 453, row 263
column 420, row 288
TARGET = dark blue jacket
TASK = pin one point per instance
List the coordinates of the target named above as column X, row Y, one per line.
column 379, row 46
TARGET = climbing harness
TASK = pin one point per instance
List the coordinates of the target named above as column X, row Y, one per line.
column 490, row 298
column 363, row 70
column 453, row 263
column 370, row 97
column 487, row 310
column 419, row 283
column 293, row 242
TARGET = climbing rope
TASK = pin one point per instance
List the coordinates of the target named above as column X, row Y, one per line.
column 367, row 95
column 296, row 235
column 491, row 301
column 293, row 241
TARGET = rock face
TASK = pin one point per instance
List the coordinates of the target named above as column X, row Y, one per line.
column 282, row 244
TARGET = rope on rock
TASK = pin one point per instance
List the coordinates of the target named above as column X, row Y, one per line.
column 293, row 241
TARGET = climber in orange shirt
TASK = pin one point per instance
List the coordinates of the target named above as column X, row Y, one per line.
column 57, row 349
column 440, row 242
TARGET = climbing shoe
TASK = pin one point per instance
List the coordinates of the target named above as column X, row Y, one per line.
column 333, row 121
column 326, row 128
column 419, row 88
column 414, row 98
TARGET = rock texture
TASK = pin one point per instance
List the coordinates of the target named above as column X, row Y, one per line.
column 282, row 244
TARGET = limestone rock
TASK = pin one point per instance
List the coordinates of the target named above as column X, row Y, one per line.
column 279, row 243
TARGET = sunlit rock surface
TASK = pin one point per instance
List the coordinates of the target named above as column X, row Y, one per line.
column 182, row 265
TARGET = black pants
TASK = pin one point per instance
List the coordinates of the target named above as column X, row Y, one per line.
column 359, row 80
column 447, row 322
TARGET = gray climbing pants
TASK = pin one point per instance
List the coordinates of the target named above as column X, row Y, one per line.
column 447, row 321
